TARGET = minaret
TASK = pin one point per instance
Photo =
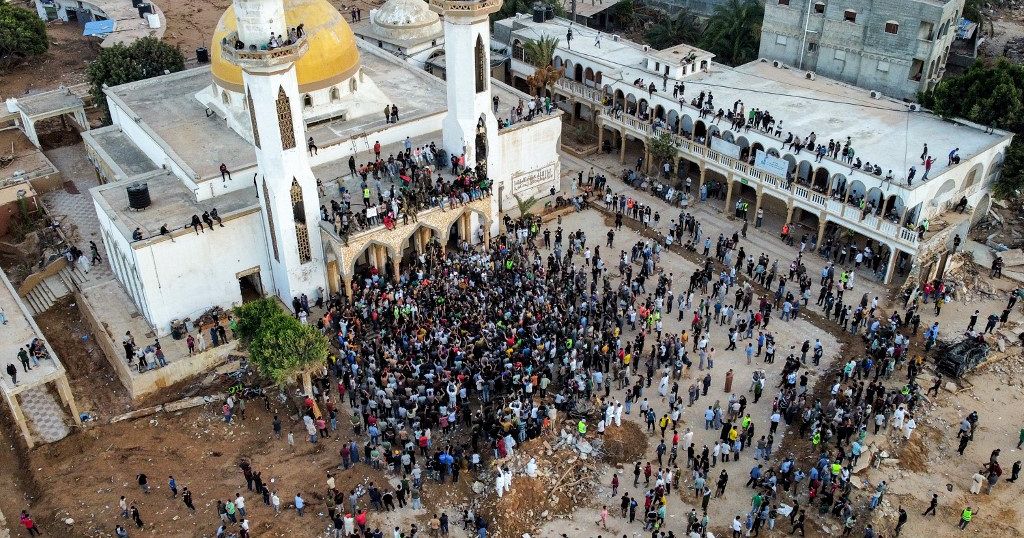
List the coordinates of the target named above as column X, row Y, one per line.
column 467, row 51
column 286, row 185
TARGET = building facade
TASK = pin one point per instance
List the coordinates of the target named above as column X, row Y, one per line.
column 897, row 47
column 826, row 196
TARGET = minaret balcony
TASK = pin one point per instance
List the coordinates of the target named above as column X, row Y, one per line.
column 262, row 56
column 466, row 7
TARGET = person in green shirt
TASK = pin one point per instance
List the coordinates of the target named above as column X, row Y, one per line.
column 965, row 517
column 581, row 426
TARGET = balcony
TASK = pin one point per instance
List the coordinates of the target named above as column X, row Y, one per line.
column 779, row 187
column 259, row 56
column 467, row 7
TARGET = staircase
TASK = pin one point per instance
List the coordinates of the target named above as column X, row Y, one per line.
column 41, row 290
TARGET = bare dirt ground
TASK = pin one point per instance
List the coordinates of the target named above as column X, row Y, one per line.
column 1006, row 24
column 65, row 63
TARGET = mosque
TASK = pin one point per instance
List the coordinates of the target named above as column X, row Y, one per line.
column 236, row 139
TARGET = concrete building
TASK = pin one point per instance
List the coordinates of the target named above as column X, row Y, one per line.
column 826, row 197
column 253, row 110
column 127, row 22
column 898, row 47
column 408, row 29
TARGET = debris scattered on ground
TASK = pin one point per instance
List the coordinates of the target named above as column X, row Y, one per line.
column 564, row 473
column 624, row 445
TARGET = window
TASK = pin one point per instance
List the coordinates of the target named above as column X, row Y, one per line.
column 819, row 7
column 284, row 120
column 840, row 55
column 335, row 94
column 925, row 31
column 299, row 213
column 916, row 67
column 812, row 46
column 307, row 100
column 783, row 2
column 481, row 65
column 518, row 52
column 224, row 97
column 781, row 40
column 883, row 66
column 850, row 15
column 892, row 27
column 252, row 119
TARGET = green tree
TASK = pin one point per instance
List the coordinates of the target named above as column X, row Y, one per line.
column 22, row 33
column 668, row 32
column 663, row 148
column 733, row 33
column 250, row 317
column 625, row 14
column 539, row 52
column 989, row 95
column 121, row 64
column 1011, row 179
column 280, row 347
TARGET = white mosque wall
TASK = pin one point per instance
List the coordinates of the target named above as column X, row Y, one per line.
column 185, row 277
column 528, row 160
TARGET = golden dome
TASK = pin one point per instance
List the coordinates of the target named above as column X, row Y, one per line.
column 331, row 58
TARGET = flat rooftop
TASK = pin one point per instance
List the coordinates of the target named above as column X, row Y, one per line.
column 19, row 332
column 121, row 151
column 49, row 103
column 173, row 204
column 29, row 161
column 168, row 107
column 883, row 131
column 587, row 8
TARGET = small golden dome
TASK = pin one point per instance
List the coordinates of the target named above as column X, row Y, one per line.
column 331, row 58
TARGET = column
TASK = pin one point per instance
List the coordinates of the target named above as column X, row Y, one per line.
column 396, row 266
column 622, row 146
column 417, row 241
column 789, row 211
column 647, row 157
column 821, row 227
column 700, row 182
column 757, row 199
column 19, row 417
column 728, row 195
column 64, row 390
column 487, row 236
column 600, row 135
column 347, row 281
column 891, row 265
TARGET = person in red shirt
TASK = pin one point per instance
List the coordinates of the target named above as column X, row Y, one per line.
column 30, row 526
column 361, row 520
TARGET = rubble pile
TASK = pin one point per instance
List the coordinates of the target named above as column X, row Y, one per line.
column 967, row 281
column 624, row 445
column 551, row 476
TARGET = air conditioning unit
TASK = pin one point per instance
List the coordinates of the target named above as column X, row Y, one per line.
column 914, row 107
column 776, row 63
column 875, row 94
column 646, row 48
column 809, row 75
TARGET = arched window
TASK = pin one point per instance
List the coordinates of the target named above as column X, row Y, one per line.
column 481, row 65
column 307, row 100
column 224, row 97
column 353, row 85
column 335, row 94
column 284, row 120
column 299, row 213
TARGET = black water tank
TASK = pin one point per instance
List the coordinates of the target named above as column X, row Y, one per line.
column 203, row 55
column 144, row 8
column 138, row 196
column 538, row 12
column 549, row 12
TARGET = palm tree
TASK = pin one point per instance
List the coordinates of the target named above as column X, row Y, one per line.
column 539, row 52
column 667, row 32
column 733, row 33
